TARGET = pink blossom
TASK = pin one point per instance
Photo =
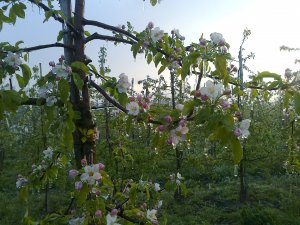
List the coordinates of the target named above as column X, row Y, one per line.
column 98, row 213
column 168, row 119
column 72, row 173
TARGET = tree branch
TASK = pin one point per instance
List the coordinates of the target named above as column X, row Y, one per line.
column 39, row 47
column 105, row 95
column 108, row 27
column 55, row 16
column 107, row 38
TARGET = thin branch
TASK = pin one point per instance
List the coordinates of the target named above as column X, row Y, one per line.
column 105, row 95
column 39, row 47
column 55, row 16
column 108, row 27
column 107, row 38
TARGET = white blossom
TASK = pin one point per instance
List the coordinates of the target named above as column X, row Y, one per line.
column 133, row 108
column 211, row 90
column 151, row 215
column 123, row 83
column 76, row 221
column 111, row 220
column 157, row 187
column 48, row 153
column 244, row 126
column 21, row 181
column 217, row 38
column 45, row 90
column 61, row 71
column 91, row 174
column 179, row 107
column 156, row 34
column 179, row 134
column 13, row 59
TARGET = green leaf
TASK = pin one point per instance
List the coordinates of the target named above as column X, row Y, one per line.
column 60, row 36
column 157, row 58
column 77, row 80
column 18, row 10
column 63, row 90
column 161, row 69
column 26, row 73
column 82, row 194
column 149, row 58
column 135, row 49
column 267, row 74
column 153, row 2
column 79, row 67
column 297, row 102
column 123, row 99
column 87, row 34
column 20, row 81
column 24, row 193
column 188, row 107
column 185, row 68
column 237, row 150
column 221, row 67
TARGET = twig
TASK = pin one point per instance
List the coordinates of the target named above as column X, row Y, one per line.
column 107, row 38
column 39, row 47
column 55, row 16
column 108, row 27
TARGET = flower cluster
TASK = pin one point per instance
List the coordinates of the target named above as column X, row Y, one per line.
column 135, row 104
column 48, row 153
column 177, row 178
column 21, row 181
column 60, row 70
column 179, row 134
column 156, row 34
column 242, row 130
column 217, row 39
column 123, row 83
column 210, row 90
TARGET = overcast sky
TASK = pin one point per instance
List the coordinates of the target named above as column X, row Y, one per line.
column 272, row 23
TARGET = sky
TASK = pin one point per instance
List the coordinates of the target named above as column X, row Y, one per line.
column 272, row 23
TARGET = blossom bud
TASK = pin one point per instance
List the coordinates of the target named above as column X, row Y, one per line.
column 33, row 167
column 204, row 97
column 288, row 73
column 234, row 69
column 101, row 166
column 51, row 63
column 60, row 60
column 147, row 99
column 123, row 27
column 139, row 98
column 161, row 128
column 146, row 43
column 169, row 141
column 78, row 185
column 98, row 193
column 238, row 114
column 131, row 99
column 191, row 49
column 168, row 119
column 150, row 25
column 202, row 41
column 237, row 132
column 72, row 173
column 62, row 57
column 114, row 212
column 83, row 162
column 145, row 106
column 182, row 38
column 227, row 91
column 225, row 104
column 98, row 213
column 182, row 123
column 197, row 94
